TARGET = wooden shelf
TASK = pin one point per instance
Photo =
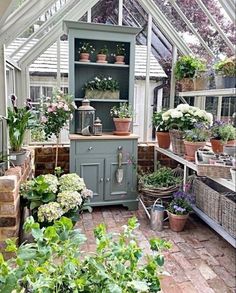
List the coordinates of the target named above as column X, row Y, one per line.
column 215, row 226
column 101, row 100
column 102, row 64
column 210, row 93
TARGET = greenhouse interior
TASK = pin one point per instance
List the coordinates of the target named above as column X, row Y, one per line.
column 117, row 146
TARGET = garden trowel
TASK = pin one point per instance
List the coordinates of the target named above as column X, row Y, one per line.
column 119, row 171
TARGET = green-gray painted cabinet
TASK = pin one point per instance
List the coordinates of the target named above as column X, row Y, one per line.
column 96, row 158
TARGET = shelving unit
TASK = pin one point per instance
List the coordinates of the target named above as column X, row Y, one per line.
column 224, row 182
column 102, row 64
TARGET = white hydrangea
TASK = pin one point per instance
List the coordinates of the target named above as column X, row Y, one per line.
column 52, row 182
column 71, row 182
column 200, row 113
column 50, row 212
column 184, row 108
column 176, row 114
column 86, row 193
column 209, row 118
column 69, row 200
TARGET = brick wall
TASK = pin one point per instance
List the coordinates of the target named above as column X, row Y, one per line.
column 10, row 200
column 45, row 159
column 146, row 157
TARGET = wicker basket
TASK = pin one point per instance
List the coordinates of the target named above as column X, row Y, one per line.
column 214, row 171
column 177, row 141
column 228, row 213
column 208, row 195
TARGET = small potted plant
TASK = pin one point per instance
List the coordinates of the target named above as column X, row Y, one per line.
column 120, row 54
column 225, row 73
column 122, row 117
column 101, row 87
column 185, row 69
column 222, row 134
column 18, row 121
column 162, row 130
column 178, row 210
column 194, row 139
column 84, row 51
column 102, row 55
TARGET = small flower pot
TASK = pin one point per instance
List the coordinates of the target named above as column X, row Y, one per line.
column 177, row 222
column 163, row 139
column 223, row 82
column 101, row 58
column 218, row 146
column 120, row 59
column 186, row 84
column 84, row 57
column 233, row 174
column 191, row 148
column 122, row 126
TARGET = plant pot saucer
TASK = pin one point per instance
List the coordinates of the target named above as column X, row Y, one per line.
column 122, row 133
column 101, row 61
column 117, row 62
column 189, row 158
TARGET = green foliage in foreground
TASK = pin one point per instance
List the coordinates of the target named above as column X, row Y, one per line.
column 55, row 263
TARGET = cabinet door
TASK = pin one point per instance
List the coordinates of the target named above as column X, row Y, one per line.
column 92, row 170
column 113, row 189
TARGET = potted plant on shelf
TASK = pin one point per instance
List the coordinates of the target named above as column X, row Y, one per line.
column 185, row 69
column 194, row 139
column 18, row 121
column 102, row 55
column 183, row 118
column 122, row 117
column 102, row 88
column 225, row 73
column 222, row 134
column 178, row 210
column 120, row 54
column 84, row 51
column 162, row 130
column 201, row 80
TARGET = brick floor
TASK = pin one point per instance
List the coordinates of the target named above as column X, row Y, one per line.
column 200, row 261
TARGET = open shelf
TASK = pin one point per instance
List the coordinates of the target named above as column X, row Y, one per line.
column 210, row 93
column 101, row 64
column 100, row 100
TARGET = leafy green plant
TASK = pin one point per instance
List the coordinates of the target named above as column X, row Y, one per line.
column 163, row 177
column 223, row 131
column 55, row 263
column 159, row 123
column 49, row 197
column 86, row 47
column 122, row 111
column 226, row 67
column 103, row 50
column 120, row 50
column 187, row 66
column 198, row 134
column 102, row 84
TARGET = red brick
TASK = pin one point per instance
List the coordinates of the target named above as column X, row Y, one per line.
column 187, row 287
column 9, row 208
column 198, row 281
column 229, row 279
column 10, row 195
column 182, row 261
column 9, row 232
column 168, row 285
column 8, row 183
column 218, row 286
column 8, row 221
column 14, row 171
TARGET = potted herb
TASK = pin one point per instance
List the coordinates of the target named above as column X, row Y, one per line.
column 162, row 130
column 194, row 139
column 102, row 55
column 178, row 210
column 222, row 134
column 84, row 51
column 185, row 69
column 120, row 54
column 18, row 121
column 122, row 117
column 101, row 87
column 225, row 73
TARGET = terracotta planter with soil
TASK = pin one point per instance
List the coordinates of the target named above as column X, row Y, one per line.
column 120, row 59
column 163, row 139
column 177, row 222
column 84, row 57
column 218, row 146
column 191, row 148
column 122, row 126
column 101, row 58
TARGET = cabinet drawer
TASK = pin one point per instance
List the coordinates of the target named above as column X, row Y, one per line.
column 104, row 147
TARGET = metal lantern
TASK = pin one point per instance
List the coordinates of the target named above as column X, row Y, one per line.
column 85, row 116
column 97, row 127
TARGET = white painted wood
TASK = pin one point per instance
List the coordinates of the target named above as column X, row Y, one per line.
column 165, row 26
column 58, row 63
column 120, row 12
column 172, row 80
column 6, row 8
column 215, row 24
column 147, row 81
column 191, row 27
column 89, row 15
column 22, row 18
column 219, row 108
column 229, row 8
column 210, row 93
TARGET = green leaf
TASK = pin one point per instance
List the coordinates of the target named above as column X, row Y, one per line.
column 160, row 260
column 114, row 288
column 37, row 234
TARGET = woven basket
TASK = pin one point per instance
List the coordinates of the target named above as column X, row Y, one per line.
column 208, row 195
column 177, row 141
column 228, row 213
column 213, row 171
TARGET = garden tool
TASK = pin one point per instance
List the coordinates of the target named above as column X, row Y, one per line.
column 119, row 171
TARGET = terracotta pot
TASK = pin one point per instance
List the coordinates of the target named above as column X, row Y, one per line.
column 120, row 59
column 177, row 222
column 163, row 139
column 101, row 58
column 84, row 57
column 122, row 125
column 218, row 146
column 186, row 84
column 191, row 148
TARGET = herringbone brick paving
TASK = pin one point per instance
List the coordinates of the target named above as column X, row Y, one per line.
column 200, row 261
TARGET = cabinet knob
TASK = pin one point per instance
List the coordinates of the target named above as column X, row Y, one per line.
column 101, row 179
column 108, row 179
column 90, row 148
column 120, row 147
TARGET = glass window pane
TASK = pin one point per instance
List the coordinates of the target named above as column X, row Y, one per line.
column 47, row 91
column 35, row 93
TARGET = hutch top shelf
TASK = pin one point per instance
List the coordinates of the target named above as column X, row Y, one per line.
column 210, row 93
